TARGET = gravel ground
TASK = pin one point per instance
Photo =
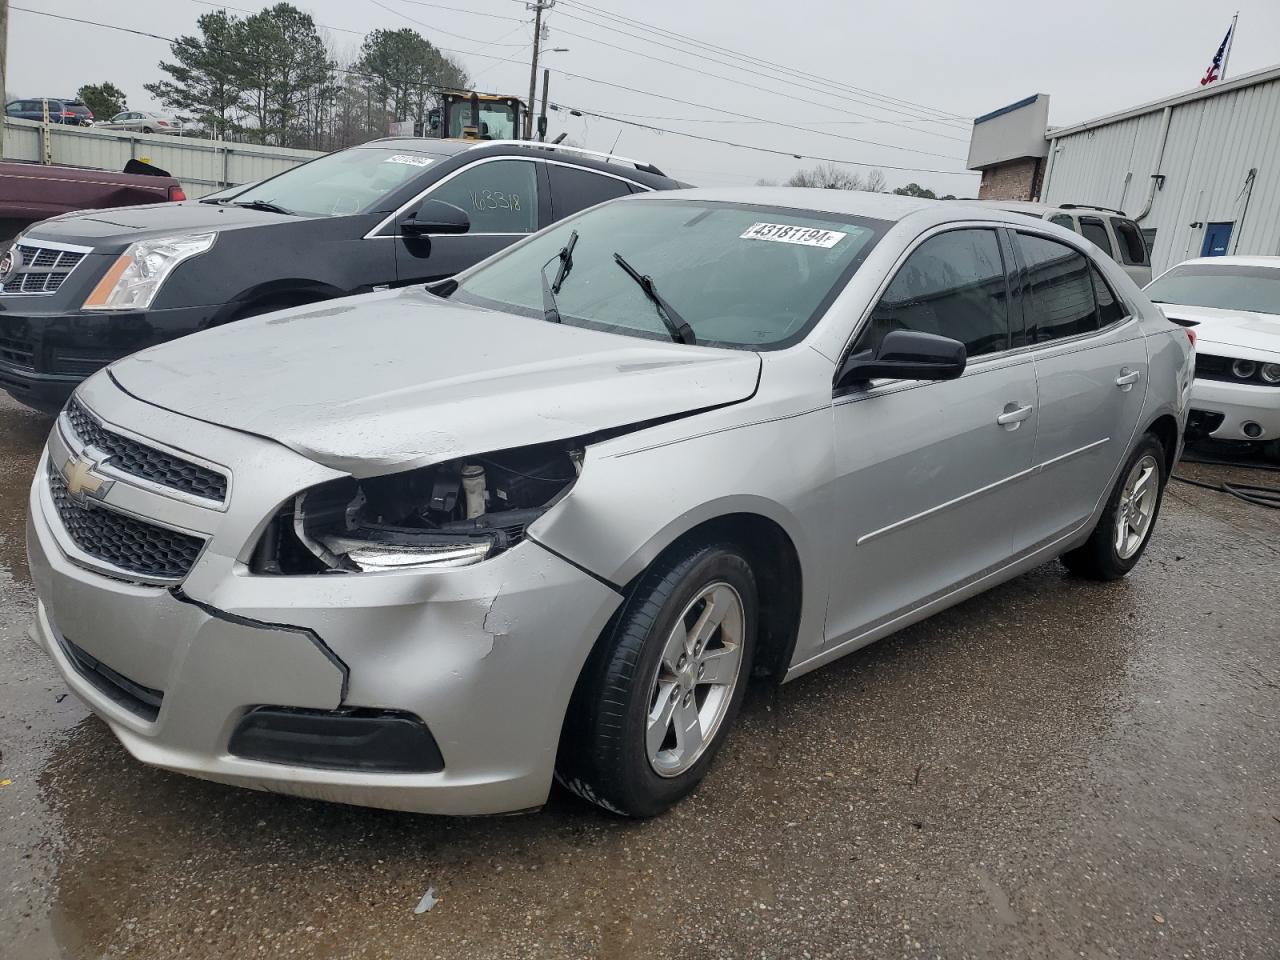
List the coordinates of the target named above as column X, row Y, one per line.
column 1056, row 769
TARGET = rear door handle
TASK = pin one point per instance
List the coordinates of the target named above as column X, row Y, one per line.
column 1011, row 418
column 1128, row 378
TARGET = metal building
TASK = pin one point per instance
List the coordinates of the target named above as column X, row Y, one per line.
column 1199, row 171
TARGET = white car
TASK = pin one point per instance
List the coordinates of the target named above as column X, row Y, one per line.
column 142, row 121
column 1233, row 306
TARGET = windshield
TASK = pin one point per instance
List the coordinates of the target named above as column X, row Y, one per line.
column 497, row 121
column 1227, row 287
column 740, row 275
column 341, row 184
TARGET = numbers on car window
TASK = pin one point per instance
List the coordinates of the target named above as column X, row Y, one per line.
column 495, row 200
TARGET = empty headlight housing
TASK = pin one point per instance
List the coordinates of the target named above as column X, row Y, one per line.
column 447, row 515
column 137, row 275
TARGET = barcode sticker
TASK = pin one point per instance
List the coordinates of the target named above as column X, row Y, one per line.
column 788, row 233
column 410, row 159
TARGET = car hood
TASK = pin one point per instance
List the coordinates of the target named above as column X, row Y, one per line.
column 1230, row 328
column 390, row 381
column 111, row 230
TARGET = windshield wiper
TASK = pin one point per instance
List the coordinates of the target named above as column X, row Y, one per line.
column 551, row 312
column 681, row 332
column 266, row 205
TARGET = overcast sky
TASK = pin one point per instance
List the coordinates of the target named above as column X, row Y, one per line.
column 1090, row 56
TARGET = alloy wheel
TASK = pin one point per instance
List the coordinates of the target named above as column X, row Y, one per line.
column 1137, row 506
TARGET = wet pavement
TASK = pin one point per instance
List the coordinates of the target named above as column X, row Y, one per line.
column 1057, row 769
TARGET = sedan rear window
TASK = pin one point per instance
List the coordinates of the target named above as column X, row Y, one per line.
column 741, row 275
column 1226, row 287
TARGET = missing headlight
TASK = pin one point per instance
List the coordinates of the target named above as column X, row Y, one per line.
column 447, row 515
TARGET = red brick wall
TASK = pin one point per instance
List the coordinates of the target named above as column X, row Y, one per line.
column 1012, row 180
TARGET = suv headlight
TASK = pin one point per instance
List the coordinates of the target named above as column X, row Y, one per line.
column 135, row 278
column 448, row 515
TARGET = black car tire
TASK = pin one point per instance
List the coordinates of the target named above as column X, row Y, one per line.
column 147, row 130
column 603, row 753
column 1098, row 557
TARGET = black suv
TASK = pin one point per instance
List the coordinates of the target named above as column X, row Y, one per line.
column 81, row 290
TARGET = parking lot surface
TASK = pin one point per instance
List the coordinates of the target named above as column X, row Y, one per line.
column 1055, row 769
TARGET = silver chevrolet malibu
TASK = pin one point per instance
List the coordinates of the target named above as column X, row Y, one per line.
column 427, row 549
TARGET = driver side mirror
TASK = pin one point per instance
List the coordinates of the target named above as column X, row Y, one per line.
column 435, row 216
column 905, row 355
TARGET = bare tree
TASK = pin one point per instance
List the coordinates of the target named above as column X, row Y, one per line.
column 830, row 177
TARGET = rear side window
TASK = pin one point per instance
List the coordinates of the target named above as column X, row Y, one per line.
column 1063, row 220
column 1059, row 301
column 1095, row 231
column 952, row 285
column 573, row 189
column 1110, row 309
column 500, row 196
column 1133, row 249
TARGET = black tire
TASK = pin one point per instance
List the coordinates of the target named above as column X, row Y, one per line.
column 147, row 130
column 603, row 756
column 1098, row 558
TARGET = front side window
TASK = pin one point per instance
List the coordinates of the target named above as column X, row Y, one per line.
column 500, row 196
column 1059, row 301
column 741, row 276
column 497, row 121
column 1133, row 249
column 952, row 285
column 1226, row 287
column 349, row 182
column 1095, row 231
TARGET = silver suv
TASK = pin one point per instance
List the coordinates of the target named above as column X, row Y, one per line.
column 1110, row 230
column 424, row 548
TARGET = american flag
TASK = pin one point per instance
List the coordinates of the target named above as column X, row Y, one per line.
column 1215, row 68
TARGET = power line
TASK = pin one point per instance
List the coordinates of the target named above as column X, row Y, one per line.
column 487, row 44
column 753, row 86
column 473, row 13
column 748, row 146
column 749, row 116
column 900, row 104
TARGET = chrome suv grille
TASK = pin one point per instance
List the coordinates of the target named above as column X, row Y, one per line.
column 43, row 269
column 124, row 542
column 147, row 463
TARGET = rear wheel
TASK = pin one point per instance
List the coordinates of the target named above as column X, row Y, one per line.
column 1124, row 529
column 656, row 701
column 147, row 130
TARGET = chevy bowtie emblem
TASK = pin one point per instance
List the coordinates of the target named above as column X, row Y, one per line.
column 82, row 482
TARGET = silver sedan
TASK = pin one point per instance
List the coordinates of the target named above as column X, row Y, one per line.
column 428, row 548
column 143, row 121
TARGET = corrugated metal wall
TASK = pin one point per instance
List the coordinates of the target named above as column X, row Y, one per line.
column 1213, row 143
column 202, row 166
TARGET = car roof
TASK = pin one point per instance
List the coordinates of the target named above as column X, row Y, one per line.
column 858, row 203
column 1036, row 209
column 634, row 170
column 1272, row 263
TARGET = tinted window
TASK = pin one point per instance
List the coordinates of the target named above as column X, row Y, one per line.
column 1059, row 300
column 740, row 275
column 1132, row 248
column 573, row 189
column 1095, row 231
column 1063, row 220
column 1110, row 309
column 952, row 285
column 499, row 197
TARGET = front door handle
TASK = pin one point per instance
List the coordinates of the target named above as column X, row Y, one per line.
column 1012, row 417
column 1128, row 378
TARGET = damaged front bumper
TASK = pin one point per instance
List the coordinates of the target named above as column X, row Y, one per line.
column 484, row 657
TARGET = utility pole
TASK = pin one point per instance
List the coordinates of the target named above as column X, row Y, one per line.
column 4, row 61
column 542, row 117
column 537, row 6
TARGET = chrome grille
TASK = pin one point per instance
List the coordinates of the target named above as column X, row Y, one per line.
column 146, row 463
column 124, row 542
column 44, row 269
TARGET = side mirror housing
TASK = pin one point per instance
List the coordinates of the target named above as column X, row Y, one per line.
column 906, row 355
column 435, row 216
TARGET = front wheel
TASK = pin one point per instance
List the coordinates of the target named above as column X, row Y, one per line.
column 1124, row 529
column 657, row 698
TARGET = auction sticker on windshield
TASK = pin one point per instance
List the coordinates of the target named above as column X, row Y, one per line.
column 410, row 159
column 788, row 233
